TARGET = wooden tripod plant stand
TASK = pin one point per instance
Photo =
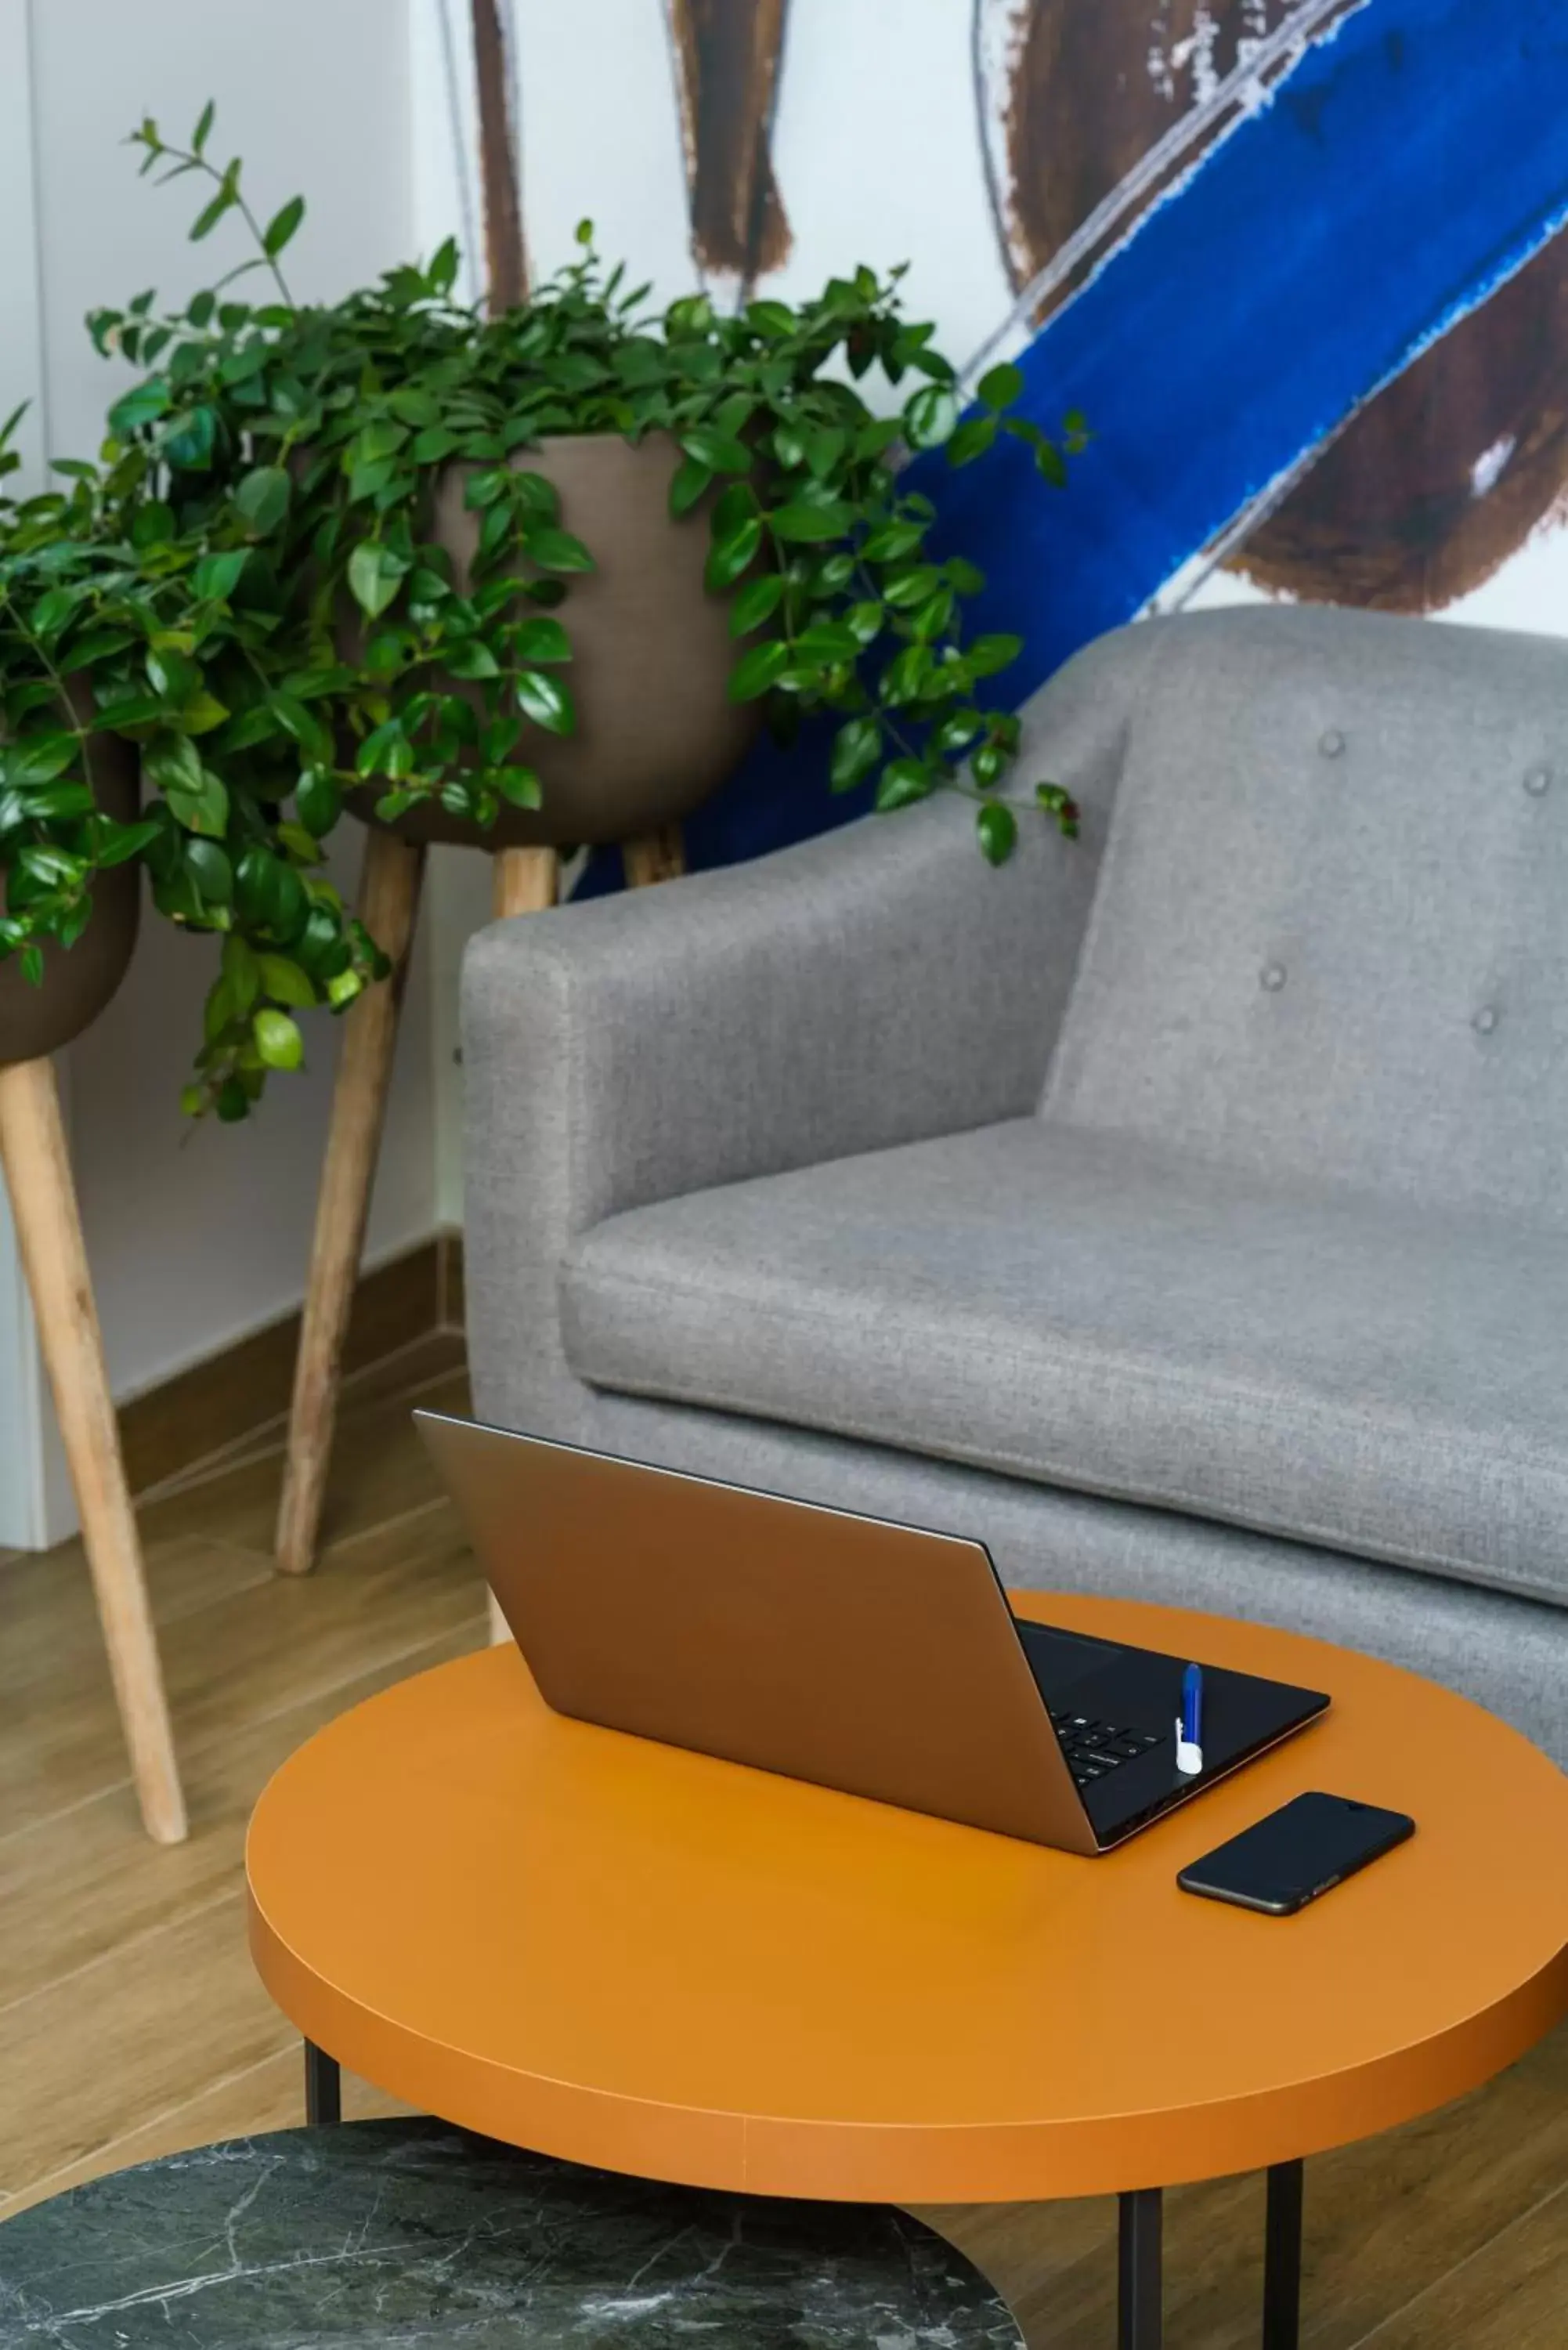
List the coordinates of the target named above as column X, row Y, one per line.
column 526, row 881
column 49, row 1234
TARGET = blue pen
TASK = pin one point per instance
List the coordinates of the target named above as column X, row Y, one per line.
column 1189, row 1729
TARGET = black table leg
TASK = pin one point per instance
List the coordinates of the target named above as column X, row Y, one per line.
column 1140, row 2322
column 1283, row 2259
column 323, row 2086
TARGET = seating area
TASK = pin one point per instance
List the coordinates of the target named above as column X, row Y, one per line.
column 1177, row 1210
column 784, row 1171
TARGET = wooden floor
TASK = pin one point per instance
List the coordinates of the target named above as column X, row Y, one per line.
column 131, row 2022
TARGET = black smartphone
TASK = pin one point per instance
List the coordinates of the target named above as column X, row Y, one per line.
column 1297, row 1853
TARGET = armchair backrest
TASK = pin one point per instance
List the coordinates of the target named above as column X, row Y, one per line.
column 1330, row 934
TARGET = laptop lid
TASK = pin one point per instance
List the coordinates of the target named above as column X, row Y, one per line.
column 877, row 1658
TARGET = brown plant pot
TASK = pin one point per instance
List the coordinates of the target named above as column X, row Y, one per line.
column 651, row 653
column 79, row 981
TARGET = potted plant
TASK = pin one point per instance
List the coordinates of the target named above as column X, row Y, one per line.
column 528, row 577
column 551, row 562
column 132, row 642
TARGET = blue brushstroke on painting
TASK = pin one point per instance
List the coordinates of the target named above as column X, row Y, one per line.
column 1405, row 168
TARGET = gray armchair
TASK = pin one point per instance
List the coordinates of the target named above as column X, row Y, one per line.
column 1181, row 1211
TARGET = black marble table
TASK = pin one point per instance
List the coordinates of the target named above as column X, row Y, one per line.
column 413, row 2233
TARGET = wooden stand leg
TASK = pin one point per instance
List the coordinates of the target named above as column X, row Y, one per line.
column 658, row 856
column 48, row 1229
column 522, row 881
column 388, row 899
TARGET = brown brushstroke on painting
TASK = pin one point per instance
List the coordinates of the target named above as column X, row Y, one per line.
column 1389, row 515
column 505, row 254
column 727, row 60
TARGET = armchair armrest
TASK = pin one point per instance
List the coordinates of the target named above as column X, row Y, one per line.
column 872, row 987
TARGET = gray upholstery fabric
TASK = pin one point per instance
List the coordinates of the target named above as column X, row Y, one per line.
column 1087, row 1310
column 883, row 987
column 1507, row 1653
column 862, row 990
column 1329, row 937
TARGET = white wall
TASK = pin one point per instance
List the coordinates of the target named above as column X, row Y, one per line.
column 195, row 1234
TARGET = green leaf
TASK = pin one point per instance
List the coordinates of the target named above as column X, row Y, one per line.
column 471, row 659
column 191, row 446
column 865, row 620
column 435, row 445
column 906, row 675
column 998, row 829
column 930, row 417
column 203, row 712
column 173, row 674
column 263, row 499
column 720, row 453
column 277, row 1039
column 142, row 404
column 770, row 318
column 1050, row 465
column 302, row 847
column 902, row 782
column 732, row 508
column 521, row 786
column 893, row 541
column 989, row 764
column 210, row 869
column 988, row 654
column 823, row 449
column 1061, row 805
column 60, row 803
column 204, row 810
column 955, row 731
column 541, row 639
column 809, row 524
column 39, row 758
column 912, row 587
column 174, row 763
column 827, row 641
column 857, row 747
column 1000, row 386
column 203, row 127
column 933, row 616
column 756, row 601
column 318, row 801
column 284, row 981
column 729, row 556
column 757, row 669
column 31, row 960
column 974, row 438
column 556, row 550
column 281, row 227
column 688, row 484
column 217, row 576
column 375, row 575
column 226, row 200
column 546, row 700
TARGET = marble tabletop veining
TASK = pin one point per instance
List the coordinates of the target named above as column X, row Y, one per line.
column 413, row 2233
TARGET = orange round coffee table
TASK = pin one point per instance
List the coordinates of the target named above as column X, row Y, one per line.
column 634, row 1957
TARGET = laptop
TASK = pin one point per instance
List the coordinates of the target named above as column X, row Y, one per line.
column 879, row 1658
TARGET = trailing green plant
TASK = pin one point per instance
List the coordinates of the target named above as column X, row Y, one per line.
column 247, row 587
column 317, row 438
column 115, row 620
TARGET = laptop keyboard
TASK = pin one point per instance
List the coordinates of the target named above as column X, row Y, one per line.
column 1094, row 1748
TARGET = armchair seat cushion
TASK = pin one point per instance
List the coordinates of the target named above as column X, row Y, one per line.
column 1093, row 1311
